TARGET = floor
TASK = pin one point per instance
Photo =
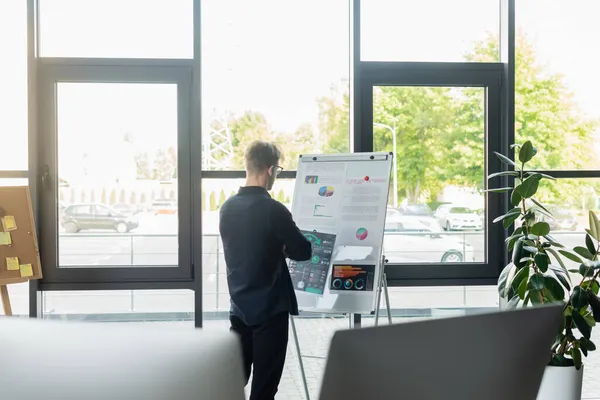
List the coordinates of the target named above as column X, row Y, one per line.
column 315, row 334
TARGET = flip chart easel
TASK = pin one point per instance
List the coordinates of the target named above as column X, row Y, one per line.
column 19, row 252
column 344, row 197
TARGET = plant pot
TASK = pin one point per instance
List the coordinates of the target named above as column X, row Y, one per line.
column 561, row 383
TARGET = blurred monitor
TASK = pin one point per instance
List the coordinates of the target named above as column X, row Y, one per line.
column 496, row 356
column 118, row 361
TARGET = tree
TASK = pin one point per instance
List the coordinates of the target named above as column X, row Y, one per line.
column 103, row 196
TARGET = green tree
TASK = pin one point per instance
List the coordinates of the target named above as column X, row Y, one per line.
column 213, row 202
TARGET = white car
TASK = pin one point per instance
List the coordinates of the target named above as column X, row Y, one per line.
column 454, row 218
column 410, row 240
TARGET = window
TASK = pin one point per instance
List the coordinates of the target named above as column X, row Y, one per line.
column 116, row 28
column 430, row 30
column 438, row 137
column 117, row 147
column 13, row 96
column 274, row 70
column 557, row 85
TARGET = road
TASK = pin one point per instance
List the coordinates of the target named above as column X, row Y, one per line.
column 154, row 243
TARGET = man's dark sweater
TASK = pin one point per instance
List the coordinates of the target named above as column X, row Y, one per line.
column 254, row 229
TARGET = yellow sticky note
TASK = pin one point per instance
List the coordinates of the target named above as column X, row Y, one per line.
column 12, row 263
column 26, row 270
column 5, row 238
column 9, row 223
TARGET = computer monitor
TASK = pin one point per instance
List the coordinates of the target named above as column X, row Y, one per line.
column 494, row 356
column 118, row 361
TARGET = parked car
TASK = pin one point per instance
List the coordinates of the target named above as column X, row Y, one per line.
column 164, row 207
column 95, row 216
column 561, row 219
column 452, row 217
column 410, row 240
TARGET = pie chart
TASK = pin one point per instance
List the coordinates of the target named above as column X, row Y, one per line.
column 362, row 233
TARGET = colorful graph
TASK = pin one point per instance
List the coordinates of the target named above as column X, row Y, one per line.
column 362, row 233
column 311, row 179
column 326, row 191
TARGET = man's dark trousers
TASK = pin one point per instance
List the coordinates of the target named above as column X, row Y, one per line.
column 264, row 347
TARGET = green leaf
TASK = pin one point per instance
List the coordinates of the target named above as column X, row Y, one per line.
column 515, row 146
column 585, row 271
column 527, row 152
column 511, row 241
column 561, row 275
column 591, row 346
column 542, row 261
column 579, row 298
column 537, row 203
column 594, row 225
column 554, row 288
column 505, row 159
column 515, row 198
column 504, row 280
column 583, row 252
column 511, row 212
column 536, row 297
column 513, row 303
column 570, row 256
column 522, row 289
column 529, row 186
column 531, row 249
column 576, row 356
column 499, row 190
column 503, row 173
column 523, row 273
column 557, row 258
column 589, row 243
column 536, row 282
column 540, row 229
column 553, row 242
column 546, row 176
column 582, row 325
column 508, row 221
column 594, row 304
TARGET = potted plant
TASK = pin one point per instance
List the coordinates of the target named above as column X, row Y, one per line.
column 540, row 272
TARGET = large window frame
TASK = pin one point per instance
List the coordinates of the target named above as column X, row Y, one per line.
column 497, row 78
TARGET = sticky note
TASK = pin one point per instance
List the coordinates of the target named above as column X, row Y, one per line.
column 9, row 223
column 12, row 263
column 5, row 238
column 26, row 270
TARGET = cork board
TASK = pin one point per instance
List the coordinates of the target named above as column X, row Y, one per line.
column 19, row 251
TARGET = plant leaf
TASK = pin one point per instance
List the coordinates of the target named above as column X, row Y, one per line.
column 586, row 271
column 546, row 176
column 594, row 304
column 515, row 198
column 582, row 325
column 540, row 229
column 499, row 190
column 511, row 212
column 579, row 298
column 503, row 173
column 529, row 186
column 589, row 243
column 536, row 282
column 523, row 273
column 583, row 252
column 542, row 261
column 554, row 288
column 522, row 289
column 503, row 280
column 526, row 152
column 553, row 242
column 558, row 259
column 594, row 225
column 537, row 203
column 570, row 256
column 513, row 303
column 505, row 159
column 561, row 276
column 531, row 249
column 576, row 356
column 535, row 296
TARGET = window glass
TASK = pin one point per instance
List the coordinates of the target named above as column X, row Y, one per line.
column 438, row 137
column 274, row 70
column 557, row 85
column 116, row 28
column 13, row 92
column 430, row 30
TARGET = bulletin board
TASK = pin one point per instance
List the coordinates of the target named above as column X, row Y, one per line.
column 339, row 204
column 19, row 251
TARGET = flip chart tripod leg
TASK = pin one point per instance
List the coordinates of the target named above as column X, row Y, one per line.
column 378, row 304
column 5, row 300
column 301, row 364
column 387, row 299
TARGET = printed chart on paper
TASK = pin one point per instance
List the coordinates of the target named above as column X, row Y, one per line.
column 341, row 200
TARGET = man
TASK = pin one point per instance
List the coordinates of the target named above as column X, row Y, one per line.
column 258, row 234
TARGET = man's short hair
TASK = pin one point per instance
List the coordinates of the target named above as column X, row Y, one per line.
column 261, row 155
